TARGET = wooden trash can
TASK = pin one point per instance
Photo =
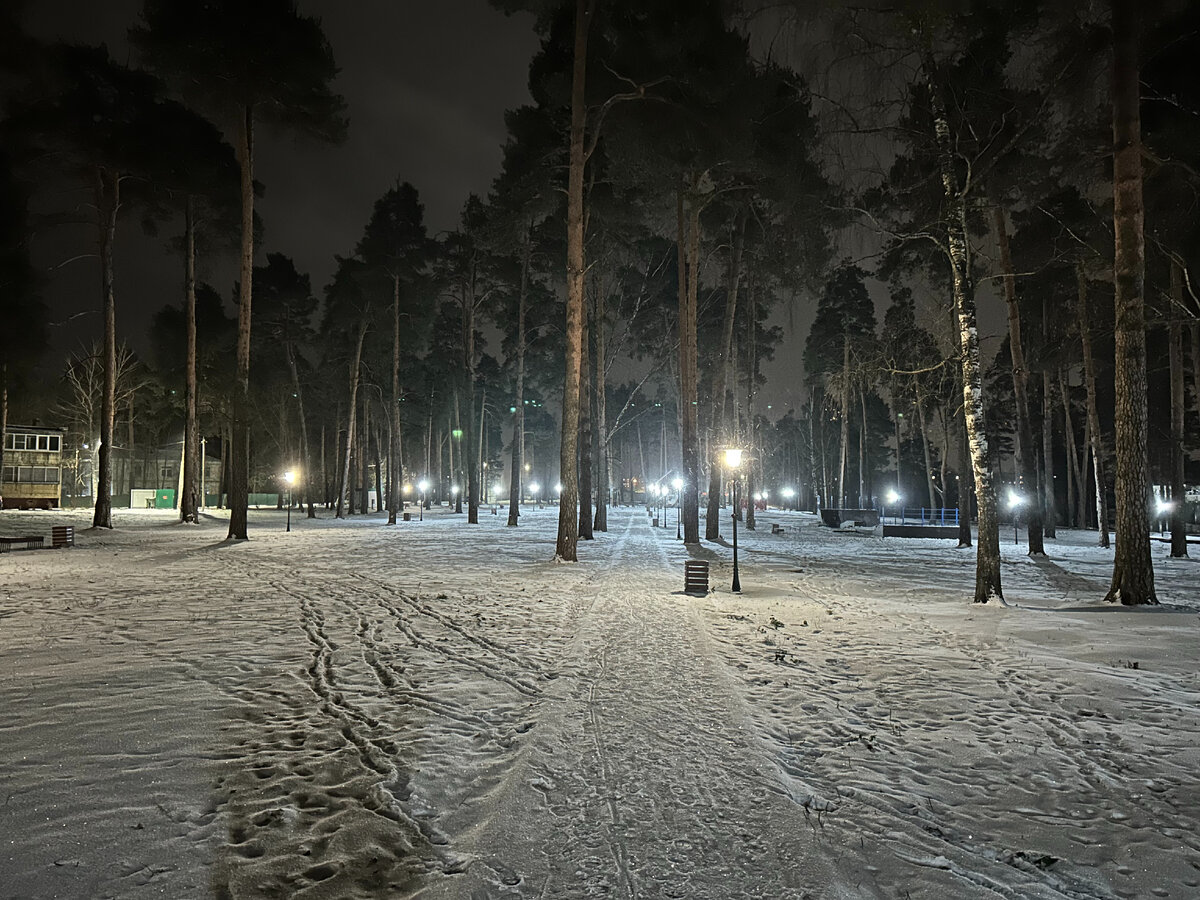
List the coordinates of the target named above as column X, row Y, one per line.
column 695, row 576
column 408, row 517
column 62, row 536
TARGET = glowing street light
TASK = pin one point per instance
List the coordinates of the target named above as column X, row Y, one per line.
column 733, row 460
column 422, row 487
column 1164, row 508
column 533, row 489
column 290, row 477
column 1015, row 502
column 788, row 493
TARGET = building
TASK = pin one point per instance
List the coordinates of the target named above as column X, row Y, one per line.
column 32, row 476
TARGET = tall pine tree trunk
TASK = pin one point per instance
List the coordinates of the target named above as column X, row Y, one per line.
column 395, row 470
column 688, row 226
column 188, row 504
column 355, row 366
column 518, row 438
column 1178, row 450
column 585, row 428
column 1026, row 457
column 1133, row 571
column 565, row 547
column 933, row 501
column 751, row 387
column 1076, row 466
column 1095, row 437
column 603, row 451
column 239, row 455
column 108, row 200
column 1049, row 503
column 725, row 377
column 844, row 437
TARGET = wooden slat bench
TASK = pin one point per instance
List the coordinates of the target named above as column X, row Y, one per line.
column 62, row 536
column 28, row 542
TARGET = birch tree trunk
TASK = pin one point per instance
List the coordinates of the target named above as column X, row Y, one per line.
column 1133, row 571
column 844, row 438
column 987, row 560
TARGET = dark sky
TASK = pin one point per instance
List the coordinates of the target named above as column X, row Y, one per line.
column 427, row 83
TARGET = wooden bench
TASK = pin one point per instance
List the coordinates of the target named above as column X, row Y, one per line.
column 28, row 542
column 62, row 536
column 776, row 528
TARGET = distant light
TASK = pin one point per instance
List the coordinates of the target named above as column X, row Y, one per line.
column 558, row 488
column 789, row 493
column 678, row 484
column 1164, row 507
column 534, row 488
column 457, row 433
column 424, row 486
column 893, row 497
column 454, row 489
column 289, row 476
column 733, row 457
column 408, row 489
column 1015, row 499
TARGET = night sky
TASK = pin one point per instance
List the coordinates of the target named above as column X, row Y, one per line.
column 426, row 83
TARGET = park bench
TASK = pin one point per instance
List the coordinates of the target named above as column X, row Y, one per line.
column 776, row 528
column 62, row 536
column 28, row 542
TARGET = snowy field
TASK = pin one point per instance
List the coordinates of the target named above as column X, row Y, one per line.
column 439, row 711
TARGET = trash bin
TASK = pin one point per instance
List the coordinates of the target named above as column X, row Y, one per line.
column 408, row 517
column 695, row 576
column 654, row 522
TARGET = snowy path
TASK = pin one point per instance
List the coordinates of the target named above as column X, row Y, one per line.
column 437, row 711
column 641, row 778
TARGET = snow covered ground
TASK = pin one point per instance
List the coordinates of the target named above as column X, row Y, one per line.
column 439, row 711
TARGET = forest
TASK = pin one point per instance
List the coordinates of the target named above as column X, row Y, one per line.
column 688, row 178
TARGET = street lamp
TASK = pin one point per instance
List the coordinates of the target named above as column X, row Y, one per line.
column 454, row 494
column 678, row 485
column 423, row 487
column 558, row 492
column 1015, row 501
column 290, row 477
column 788, row 494
column 533, row 489
column 893, row 499
column 733, row 460
column 1164, row 509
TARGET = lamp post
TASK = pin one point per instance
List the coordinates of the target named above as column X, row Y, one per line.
column 558, row 492
column 203, row 460
column 733, row 459
column 893, row 499
column 678, row 485
column 423, row 486
column 534, row 489
column 1164, row 509
column 290, row 477
column 788, row 494
column 1015, row 501
column 454, row 494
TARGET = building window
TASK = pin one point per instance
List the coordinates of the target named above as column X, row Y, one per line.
column 46, row 442
column 31, row 474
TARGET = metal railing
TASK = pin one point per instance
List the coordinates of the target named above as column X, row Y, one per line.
column 922, row 516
